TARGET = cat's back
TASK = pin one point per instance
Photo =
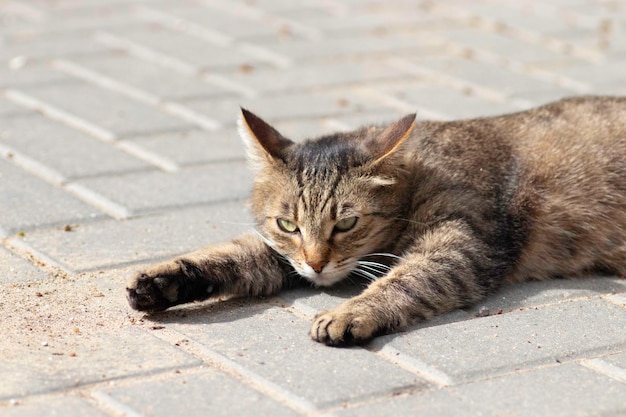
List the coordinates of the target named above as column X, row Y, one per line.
column 559, row 170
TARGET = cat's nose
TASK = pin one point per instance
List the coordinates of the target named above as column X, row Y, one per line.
column 317, row 265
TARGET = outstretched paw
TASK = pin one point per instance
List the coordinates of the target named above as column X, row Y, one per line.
column 345, row 326
column 164, row 286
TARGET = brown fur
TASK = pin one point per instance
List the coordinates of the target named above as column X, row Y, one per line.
column 436, row 214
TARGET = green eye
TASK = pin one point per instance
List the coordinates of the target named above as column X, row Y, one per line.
column 287, row 225
column 346, row 224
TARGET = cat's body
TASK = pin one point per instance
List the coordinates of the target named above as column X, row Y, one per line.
column 442, row 212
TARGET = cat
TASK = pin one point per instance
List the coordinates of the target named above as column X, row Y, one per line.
column 437, row 214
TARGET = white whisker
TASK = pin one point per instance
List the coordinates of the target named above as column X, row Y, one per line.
column 390, row 255
column 373, row 270
column 371, row 277
column 375, row 265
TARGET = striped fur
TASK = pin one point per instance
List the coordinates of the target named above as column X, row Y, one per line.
column 436, row 214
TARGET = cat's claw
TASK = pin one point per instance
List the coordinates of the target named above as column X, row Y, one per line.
column 166, row 285
column 342, row 327
column 147, row 293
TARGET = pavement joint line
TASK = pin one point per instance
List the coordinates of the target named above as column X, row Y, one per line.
column 412, row 364
column 157, row 160
column 455, row 82
column 30, row 12
column 19, row 246
column 232, row 368
column 619, row 299
column 184, row 25
column 605, row 368
column 99, row 201
column 59, row 115
column 193, row 29
column 166, row 61
column 36, row 168
column 106, row 402
column 141, row 96
column 549, row 43
column 259, row 15
column 147, row 54
column 521, row 68
column 399, row 104
column 190, row 115
column 108, row 83
column 335, row 7
column 230, row 85
column 339, row 125
column 265, row 54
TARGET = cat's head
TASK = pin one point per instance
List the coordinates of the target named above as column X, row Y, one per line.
column 327, row 203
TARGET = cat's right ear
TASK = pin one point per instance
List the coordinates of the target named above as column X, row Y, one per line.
column 264, row 143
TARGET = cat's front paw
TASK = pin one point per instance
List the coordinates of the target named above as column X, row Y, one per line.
column 164, row 286
column 345, row 325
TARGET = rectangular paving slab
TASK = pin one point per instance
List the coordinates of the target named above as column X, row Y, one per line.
column 200, row 393
column 94, row 246
column 559, row 390
column 46, row 365
column 274, row 343
column 521, row 339
column 28, row 202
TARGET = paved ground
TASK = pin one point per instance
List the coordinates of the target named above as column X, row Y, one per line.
column 118, row 148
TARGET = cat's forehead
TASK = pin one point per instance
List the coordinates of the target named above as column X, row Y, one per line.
column 332, row 153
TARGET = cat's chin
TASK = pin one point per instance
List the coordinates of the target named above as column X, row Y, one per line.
column 322, row 279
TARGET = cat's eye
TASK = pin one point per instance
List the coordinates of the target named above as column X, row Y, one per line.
column 287, row 225
column 346, row 224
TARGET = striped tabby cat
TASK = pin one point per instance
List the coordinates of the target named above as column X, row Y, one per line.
column 437, row 214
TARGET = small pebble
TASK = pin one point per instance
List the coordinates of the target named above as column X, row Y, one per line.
column 483, row 312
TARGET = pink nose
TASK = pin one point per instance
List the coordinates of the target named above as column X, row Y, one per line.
column 317, row 265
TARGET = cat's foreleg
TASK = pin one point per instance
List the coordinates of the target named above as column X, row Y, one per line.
column 244, row 267
column 447, row 268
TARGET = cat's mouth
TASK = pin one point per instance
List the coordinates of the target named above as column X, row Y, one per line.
column 330, row 275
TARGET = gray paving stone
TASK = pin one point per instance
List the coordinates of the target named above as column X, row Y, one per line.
column 195, row 147
column 617, row 360
column 449, row 102
column 536, row 293
column 487, row 75
column 318, row 76
column 68, row 151
column 233, row 25
column 502, row 46
column 562, row 390
column 205, row 393
column 89, row 246
column 149, row 77
column 292, row 105
column 16, row 269
column 30, row 203
column 518, row 340
column 150, row 191
column 360, row 21
column 106, row 109
column 76, row 22
column 354, row 46
column 273, row 343
column 197, row 52
column 47, row 48
column 63, row 406
column 42, row 367
column 529, row 17
column 29, row 75
column 8, row 109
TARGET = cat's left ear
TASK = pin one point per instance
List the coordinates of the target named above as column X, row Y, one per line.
column 264, row 143
column 383, row 145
